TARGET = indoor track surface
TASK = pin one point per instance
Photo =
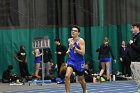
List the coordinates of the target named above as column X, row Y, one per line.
column 106, row 87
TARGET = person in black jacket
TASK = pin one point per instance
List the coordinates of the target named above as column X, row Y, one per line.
column 104, row 57
column 134, row 52
column 87, row 74
column 124, row 59
column 21, row 57
column 135, row 43
column 7, row 77
column 60, row 53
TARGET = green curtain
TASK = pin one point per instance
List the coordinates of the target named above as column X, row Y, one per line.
column 23, row 20
column 12, row 39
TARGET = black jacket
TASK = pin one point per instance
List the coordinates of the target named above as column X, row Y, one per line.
column 105, row 51
column 135, row 48
column 21, row 55
column 47, row 56
column 62, row 49
column 123, row 53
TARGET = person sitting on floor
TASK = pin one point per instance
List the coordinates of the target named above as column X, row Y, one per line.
column 7, row 77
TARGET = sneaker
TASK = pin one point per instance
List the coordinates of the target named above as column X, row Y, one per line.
column 19, row 83
column 102, row 79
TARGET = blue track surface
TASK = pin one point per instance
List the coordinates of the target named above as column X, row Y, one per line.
column 106, row 87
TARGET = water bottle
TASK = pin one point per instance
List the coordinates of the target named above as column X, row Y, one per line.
column 114, row 78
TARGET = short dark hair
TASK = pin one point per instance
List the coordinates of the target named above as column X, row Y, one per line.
column 22, row 46
column 137, row 25
column 10, row 67
column 75, row 26
column 57, row 39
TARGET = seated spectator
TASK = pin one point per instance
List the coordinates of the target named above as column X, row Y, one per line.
column 7, row 77
column 62, row 73
column 87, row 74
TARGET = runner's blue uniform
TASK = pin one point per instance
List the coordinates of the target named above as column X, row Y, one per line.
column 76, row 60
